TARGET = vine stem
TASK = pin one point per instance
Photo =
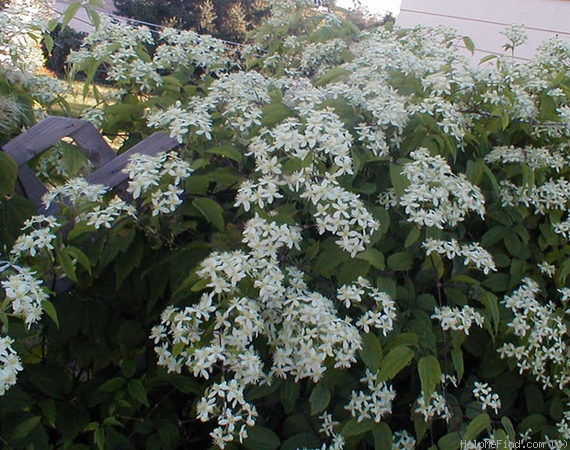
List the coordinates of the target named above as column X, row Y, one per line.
column 439, row 288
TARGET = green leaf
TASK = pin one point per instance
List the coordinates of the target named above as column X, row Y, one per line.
column 274, row 113
column 48, row 411
column 13, row 213
column 261, row 438
column 69, row 13
column 394, row 362
column 509, row 427
column 400, row 261
column 112, row 422
column 413, row 236
column 81, row 258
column 52, row 24
column 371, row 352
column 138, row 392
column 8, row 174
column 185, row 384
column 259, row 391
column 305, row 439
column 457, row 359
column 50, row 310
column 487, row 58
column 469, row 45
column 399, row 181
column 494, row 235
column 128, row 367
column 450, row 441
column 112, row 385
column 67, row 264
column 169, row 434
column 227, row 151
column 430, row 374
column 513, row 244
column 99, row 438
column 491, row 303
column 211, row 210
column 374, row 257
column 289, row 393
column 382, row 436
column 353, row 427
column 319, row 399
column 477, row 426
column 26, row 427
column 128, row 261
column 352, row 269
column 332, row 75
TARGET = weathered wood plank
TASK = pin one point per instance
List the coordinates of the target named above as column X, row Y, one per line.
column 31, row 188
column 111, row 173
column 93, row 145
column 41, row 136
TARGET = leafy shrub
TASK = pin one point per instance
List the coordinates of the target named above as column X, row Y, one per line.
column 64, row 40
column 370, row 250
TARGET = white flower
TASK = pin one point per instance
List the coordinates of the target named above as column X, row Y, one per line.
column 26, row 295
column 436, row 407
column 372, row 405
column 457, row 319
column 485, row 395
column 10, row 364
column 436, row 197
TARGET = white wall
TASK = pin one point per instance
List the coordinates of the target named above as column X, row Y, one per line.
column 483, row 20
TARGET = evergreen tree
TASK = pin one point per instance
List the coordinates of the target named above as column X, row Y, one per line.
column 208, row 17
column 235, row 23
column 225, row 19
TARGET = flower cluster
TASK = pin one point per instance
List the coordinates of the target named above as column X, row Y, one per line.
column 319, row 139
column 161, row 176
column 402, row 440
column 459, row 319
column 320, row 56
column 39, row 235
column 563, row 426
column 226, row 401
column 26, row 295
column 540, row 333
column 118, row 46
column 75, row 191
column 91, row 200
column 488, row 399
column 434, row 408
column 22, row 23
column 375, row 403
column 535, row 158
column 551, row 195
column 302, row 328
column 374, row 139
column 327, row 428
column 472, row 253
column 515, row 34
column 381, row 317
column 436, row 197
column 10, row 364
column 238, row 97
column 178, row 49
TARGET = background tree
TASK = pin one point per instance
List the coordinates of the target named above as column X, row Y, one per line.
column 225, row 19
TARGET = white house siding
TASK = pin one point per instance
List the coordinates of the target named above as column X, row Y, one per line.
column 81, row 21
column 483, row 20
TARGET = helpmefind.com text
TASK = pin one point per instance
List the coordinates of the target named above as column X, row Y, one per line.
column 507, row 444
